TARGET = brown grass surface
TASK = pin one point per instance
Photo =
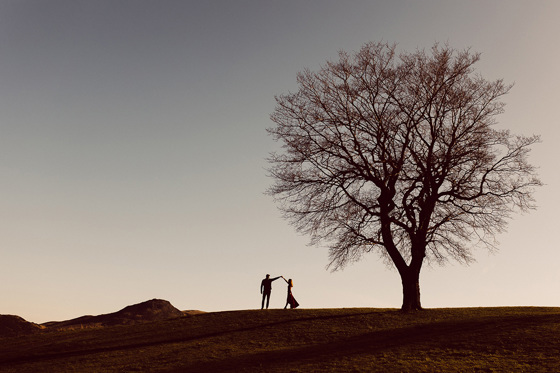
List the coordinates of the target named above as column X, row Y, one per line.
column 512, row 339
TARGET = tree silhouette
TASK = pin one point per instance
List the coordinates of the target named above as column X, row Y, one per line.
column 399, row 155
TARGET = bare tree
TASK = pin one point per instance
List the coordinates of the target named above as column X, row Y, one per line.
column 399, row 154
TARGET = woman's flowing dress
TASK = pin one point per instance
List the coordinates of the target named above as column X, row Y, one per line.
column 291, row 300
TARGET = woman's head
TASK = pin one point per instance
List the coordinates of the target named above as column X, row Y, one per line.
column 290, row 282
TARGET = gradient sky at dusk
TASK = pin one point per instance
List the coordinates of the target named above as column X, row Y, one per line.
column 133, row 151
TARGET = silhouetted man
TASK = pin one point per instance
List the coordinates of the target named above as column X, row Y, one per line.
column 266, row 288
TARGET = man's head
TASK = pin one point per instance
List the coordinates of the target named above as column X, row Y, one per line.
column 267, row 276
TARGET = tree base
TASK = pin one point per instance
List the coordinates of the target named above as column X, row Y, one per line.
column 411, row 309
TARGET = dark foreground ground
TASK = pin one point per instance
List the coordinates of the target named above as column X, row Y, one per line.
column 512, row 339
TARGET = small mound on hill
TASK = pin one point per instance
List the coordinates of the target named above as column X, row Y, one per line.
column 151, row 310
column 11, row 325
column 192, row 312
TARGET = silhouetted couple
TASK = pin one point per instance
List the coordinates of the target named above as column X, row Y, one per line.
column 266, row 289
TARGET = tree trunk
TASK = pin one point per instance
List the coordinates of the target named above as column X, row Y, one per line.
column 411, row 290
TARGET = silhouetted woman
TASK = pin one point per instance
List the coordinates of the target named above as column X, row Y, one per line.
column 291, row 300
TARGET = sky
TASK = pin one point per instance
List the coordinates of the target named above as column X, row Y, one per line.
column 133, row 151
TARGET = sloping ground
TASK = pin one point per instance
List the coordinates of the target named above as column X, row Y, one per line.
column 151, row 310
column 11, row 325
column 343, row 340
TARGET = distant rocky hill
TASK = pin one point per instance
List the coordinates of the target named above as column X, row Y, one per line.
column 151, row 310
column 11, row 325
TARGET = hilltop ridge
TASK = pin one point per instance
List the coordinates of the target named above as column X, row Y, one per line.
column 148, row 311
column 151, row 310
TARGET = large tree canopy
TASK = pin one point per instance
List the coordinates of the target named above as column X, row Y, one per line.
column 399, row 154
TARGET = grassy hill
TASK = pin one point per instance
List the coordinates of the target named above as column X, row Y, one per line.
column 512, row 339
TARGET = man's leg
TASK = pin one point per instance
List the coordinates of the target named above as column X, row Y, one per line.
column 267, row 299
column 262, row 304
